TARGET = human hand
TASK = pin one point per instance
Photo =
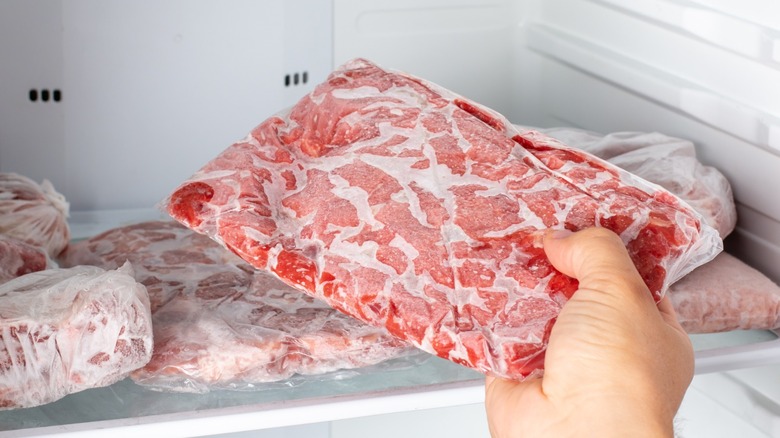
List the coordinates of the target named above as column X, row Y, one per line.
column 616, row 364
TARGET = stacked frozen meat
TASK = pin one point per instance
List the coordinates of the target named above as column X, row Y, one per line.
column 380, row 213
column 414, row 209
column 61, row 330
column 219, row 323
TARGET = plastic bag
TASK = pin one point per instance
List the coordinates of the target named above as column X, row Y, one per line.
column 412, row 208
column 726, row 294
column 219, row 324
column 34, row 213
column 18, row 258
column 667, row 161
column 67, row 330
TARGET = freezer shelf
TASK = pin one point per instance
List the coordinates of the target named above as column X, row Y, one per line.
column 407, row 384
column 126, row 409
column 421, row 381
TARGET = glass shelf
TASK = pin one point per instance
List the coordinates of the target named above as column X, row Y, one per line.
column 420, row 381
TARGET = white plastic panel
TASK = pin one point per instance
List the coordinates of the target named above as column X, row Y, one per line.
column 30, row 59
column 150, row 90
column 465, row 45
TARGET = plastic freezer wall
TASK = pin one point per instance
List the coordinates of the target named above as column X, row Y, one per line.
column 148, row 91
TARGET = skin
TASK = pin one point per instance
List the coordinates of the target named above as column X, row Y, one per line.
column 616, row 365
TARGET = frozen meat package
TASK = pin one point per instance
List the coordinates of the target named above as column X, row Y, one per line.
column 33, row 213
column 67, row 330
column 726, row 294
column 664, row 160
column 18, row 258
column 412, row 208
column 221, row 324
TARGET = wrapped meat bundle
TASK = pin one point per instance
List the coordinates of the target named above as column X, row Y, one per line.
column 219, row 324
column 726, row 294
column 412, row 208
column 67, row 330
column 18, row 258
column 169, row 259
column 667, row 161
column 34, row 213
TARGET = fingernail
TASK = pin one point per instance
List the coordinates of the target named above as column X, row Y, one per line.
column 559, row 234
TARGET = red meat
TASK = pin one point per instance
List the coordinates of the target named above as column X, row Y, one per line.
column 66, row 330
column 18, row 258
column 412, row 208
column 219, row 324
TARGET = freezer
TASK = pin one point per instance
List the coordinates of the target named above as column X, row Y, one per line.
column 116, row 103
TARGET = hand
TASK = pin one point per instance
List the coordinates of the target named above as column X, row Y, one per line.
column 616, row 365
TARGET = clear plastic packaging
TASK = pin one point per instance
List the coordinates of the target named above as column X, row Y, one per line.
column 412, row 208
column 667, row 161
column 726, row 294
column 219, row 323
column 67, row 330
column 34, row 213
column 18, row 258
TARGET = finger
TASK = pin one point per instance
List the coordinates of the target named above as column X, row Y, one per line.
column 597, row 258
column 668, row 313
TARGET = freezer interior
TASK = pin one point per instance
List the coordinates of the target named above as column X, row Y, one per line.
column 116, row 103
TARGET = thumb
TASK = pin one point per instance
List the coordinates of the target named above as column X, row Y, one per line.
column 597, row 258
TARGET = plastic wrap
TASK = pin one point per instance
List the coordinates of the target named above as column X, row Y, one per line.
column 18, row 258
column 67, row 330
column 412, row 208
column 34, row 213
column 726, row 294
column 667, row 161
column 219, row 324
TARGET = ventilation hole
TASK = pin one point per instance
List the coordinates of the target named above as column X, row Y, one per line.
column 57, row 95
column 296, row 78
column 286, row 80
column 45, row 95
column 305, row 77
column 33, row 95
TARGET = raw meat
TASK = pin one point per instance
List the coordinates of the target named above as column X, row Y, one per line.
column 220, row 324
column 34, row 213
column 66, row 330
column 415, row 209
column 169, row 259
column 726, row 294
column 18, row 258
column 667, row 161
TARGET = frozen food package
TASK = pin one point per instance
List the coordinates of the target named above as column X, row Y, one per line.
column 34, row 213
column 18, row 258
column 67, row 330
column 726, row 294
column 667, row 161
column 221, row 324
column 412, row 208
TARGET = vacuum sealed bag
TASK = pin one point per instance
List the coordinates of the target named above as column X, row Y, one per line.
column 67, row 330
column 412, row 208
column 219, row 323
column 726, row 294
column 18, row 258
column 667, row 161
column 34, row 213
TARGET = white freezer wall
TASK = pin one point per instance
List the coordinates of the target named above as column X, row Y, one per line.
column 150, row 90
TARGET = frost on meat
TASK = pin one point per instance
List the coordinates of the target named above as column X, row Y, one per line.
column 34, row 213
column 66, row 330
column 219, row 323
column 414, row 209
column 726, row 294
column 18, row 258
